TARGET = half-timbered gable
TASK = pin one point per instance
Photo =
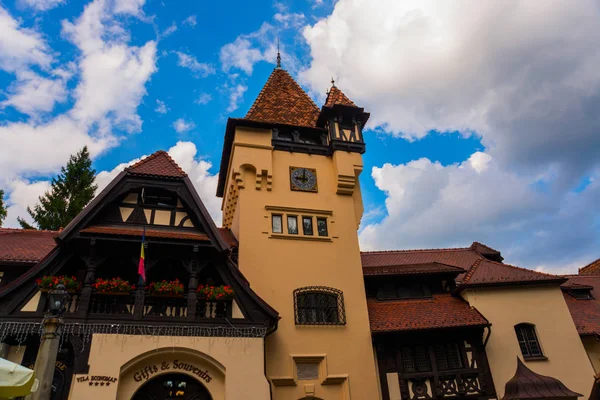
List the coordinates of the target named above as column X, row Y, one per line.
column 153, row 199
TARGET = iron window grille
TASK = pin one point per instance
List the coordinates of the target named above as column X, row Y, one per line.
column 319, row 305
column 528, row 341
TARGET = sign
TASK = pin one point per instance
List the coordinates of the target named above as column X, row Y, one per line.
column 146, row 373
column 97, row 380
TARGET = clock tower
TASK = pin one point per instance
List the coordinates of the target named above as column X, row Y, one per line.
column 291, row 195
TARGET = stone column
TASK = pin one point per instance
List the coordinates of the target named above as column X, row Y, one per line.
column 46, row 358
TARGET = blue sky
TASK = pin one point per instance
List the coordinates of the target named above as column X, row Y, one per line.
column 484, row 123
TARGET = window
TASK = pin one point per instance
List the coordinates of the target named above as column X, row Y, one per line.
column 307, row 226
column 322, row 226
column 276, row 223
column 318, row 305
column 158, row 197
column 390, row 291
column 447, row 356
column 307, row 371
column 292, row 221
column 528, row 341
column 415, row 359
column 582, row 294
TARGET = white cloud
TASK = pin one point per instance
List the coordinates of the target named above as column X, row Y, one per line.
column 41, row 5
column 131, row 7
column 240, row 54
column 261, row 45
column 203, row 98
column 190, row 21
column 181, row 125
column 185, row 155
column 188, row 61
column 111, row 86
column 235, row 95
column 430, row 205
column 523, row 75
column 170, row 30
column 31, row 93
column 23, row 194
column 161, row 107
column 21, row 47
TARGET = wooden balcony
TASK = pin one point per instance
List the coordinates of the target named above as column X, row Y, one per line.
column 107, row 306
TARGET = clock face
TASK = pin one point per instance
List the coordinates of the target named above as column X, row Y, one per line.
column 304, row 179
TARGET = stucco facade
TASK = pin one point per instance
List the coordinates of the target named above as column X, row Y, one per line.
column 543, row 306
column 278, row 264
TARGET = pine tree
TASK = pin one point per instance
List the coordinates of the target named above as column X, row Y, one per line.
column 71, row 191
column 2, row 207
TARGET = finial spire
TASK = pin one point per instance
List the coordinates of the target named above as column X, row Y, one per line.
column 278, row 55
column 332, row 82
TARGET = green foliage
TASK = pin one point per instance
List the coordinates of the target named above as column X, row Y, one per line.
column 2, row 207
column 71, row 191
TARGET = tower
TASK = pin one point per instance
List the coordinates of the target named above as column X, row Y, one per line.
column 291, row 195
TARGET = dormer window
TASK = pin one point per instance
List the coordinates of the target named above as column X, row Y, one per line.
column 396, row 291
column 581, row 294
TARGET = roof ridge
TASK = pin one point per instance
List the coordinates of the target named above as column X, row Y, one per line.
column 483, row 245
column 418, row 250
column 522, row 269
column 471, row 271
column 17, row 230
column 337, row 97
column 589, row 265
column 150, row 158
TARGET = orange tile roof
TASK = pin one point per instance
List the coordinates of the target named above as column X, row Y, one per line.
column 25, row 245
column 440, row 311
column 457, row 257
column 585, row 313
column 412, row 269
column 591, row 268
column 283, row 101
column 157, row 164
column 135, row 231
column 486, row 272
column 336, row 96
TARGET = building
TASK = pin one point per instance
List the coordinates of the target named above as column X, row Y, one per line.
column 280, row 303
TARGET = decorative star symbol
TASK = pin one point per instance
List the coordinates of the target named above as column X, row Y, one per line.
column 101, row 383
column 107, row 383
column 91, row 383
column 96, row 383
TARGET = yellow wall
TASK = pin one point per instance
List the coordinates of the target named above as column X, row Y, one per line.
column 235, row 365
column 592, row 347
column 545, row 307
column 276, row 266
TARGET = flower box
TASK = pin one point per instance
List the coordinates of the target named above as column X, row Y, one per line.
column 112, row 286
column 48, row 283
column 223, row 292
column 113, row 293
column 164, row 288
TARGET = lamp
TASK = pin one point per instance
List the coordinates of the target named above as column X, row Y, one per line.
column 57, row 300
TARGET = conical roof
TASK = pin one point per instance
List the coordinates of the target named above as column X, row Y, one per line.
column 527, row 384
column 336, row 96
column 283, row 101
column 157, row 164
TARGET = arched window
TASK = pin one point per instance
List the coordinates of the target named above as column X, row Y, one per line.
column 528, row 341
column 319, row 305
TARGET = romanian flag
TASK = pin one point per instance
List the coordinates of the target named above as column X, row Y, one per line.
column 141, row 268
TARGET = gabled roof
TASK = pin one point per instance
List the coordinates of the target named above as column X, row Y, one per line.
column 591, row 268
column 336, row 96
column 25, row 245
column 526, row 384
column 283, row 101
column 440, row 311
column 159, row 164
column 413, row 269
column 491, row 273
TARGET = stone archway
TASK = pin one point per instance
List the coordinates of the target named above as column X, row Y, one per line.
column 156, row 368
column 172, row 386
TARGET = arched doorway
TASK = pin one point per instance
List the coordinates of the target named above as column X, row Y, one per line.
column 172, row 387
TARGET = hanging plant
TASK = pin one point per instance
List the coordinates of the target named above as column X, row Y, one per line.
column 114, row 285
column 223, row 292
column 172, row 288
column 50, row 282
